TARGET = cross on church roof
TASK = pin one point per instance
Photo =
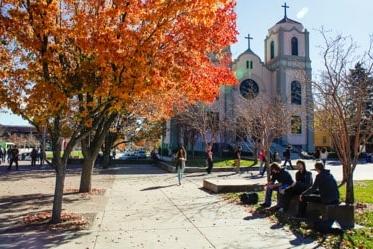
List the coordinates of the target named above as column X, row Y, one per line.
column 248, row 39
column 285, row 6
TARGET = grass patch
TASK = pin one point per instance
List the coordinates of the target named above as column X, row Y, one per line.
column 74, row 154
column 218, row 163
column 363, row 191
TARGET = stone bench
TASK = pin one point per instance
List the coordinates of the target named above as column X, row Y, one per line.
column 342, row 213
column 231, row 185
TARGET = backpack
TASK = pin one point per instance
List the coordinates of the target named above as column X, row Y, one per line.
column 249, row 198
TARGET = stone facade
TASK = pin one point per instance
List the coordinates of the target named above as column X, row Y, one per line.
column 283, row 74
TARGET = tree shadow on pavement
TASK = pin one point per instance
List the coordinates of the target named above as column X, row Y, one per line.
column 32, row 238
column 158, row 187
column 14, row 208
column 133, row 169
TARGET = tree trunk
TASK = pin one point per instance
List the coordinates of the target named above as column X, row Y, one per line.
column 350, row 197
column 106, row 158
column 86, row 176
column 58, row 192
column 193, row 154
column 108, row 143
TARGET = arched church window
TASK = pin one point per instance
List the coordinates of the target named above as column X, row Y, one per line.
column 249, row 89
column 294, row 46
column 296, row 125
column 296, row 93
column 272, row 49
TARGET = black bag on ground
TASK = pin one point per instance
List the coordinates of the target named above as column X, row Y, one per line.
column 250, row 198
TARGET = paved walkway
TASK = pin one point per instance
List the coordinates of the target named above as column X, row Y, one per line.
column 142, row 208
column 151, row 211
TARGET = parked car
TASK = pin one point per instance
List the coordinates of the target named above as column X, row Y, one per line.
column 140, row 154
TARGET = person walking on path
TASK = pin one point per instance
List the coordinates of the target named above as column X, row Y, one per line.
column 9, row 153
column 262, row 161
column 324, row 155
column 287, row 156
column 14, row 157
column 210, row 164
column 237, row 159
column 180, row 164
column 34, row 155
column 4, row 154
column 317, row 154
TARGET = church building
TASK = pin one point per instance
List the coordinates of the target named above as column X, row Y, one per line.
column 281, row 74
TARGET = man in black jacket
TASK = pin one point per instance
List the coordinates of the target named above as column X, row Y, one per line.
column 324, row 190
column 280, row 180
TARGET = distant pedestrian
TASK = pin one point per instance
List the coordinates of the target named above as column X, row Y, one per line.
column 1, row 155
column 324, row 155
column 4, row 154
column 41, row 156
column 317, row 154
column 9, row 153
column 33, row 155
column 14, row 157
column 181, row 157
column 209, row 159
column 287, row 157
column 237, row 159
column 262, row 161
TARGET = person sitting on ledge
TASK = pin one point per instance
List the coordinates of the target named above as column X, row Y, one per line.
column 283, row 179
column 324, row 190
column 303, row 181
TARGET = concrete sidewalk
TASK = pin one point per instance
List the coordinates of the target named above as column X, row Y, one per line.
column 146, row 209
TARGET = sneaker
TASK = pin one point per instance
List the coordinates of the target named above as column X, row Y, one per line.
column 264, row 205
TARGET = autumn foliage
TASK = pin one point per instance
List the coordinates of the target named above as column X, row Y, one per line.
column 67, row 65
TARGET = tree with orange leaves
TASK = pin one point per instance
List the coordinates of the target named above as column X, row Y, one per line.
column 72, row 65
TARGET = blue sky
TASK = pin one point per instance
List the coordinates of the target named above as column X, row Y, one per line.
column 255, row 17
column 349, row 17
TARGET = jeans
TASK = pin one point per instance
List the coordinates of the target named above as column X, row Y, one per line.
column 261, row 168
column 11, row 163
column 268, row 196
column 209, row 165
column 180, row 171
column 237, row 163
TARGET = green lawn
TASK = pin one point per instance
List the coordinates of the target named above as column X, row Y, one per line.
column 361, row 238
column 74, row 154
column 363, row 191
column 218, row 163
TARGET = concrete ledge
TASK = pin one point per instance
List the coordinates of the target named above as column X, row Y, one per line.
column 165, row 166
column 231, row 185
